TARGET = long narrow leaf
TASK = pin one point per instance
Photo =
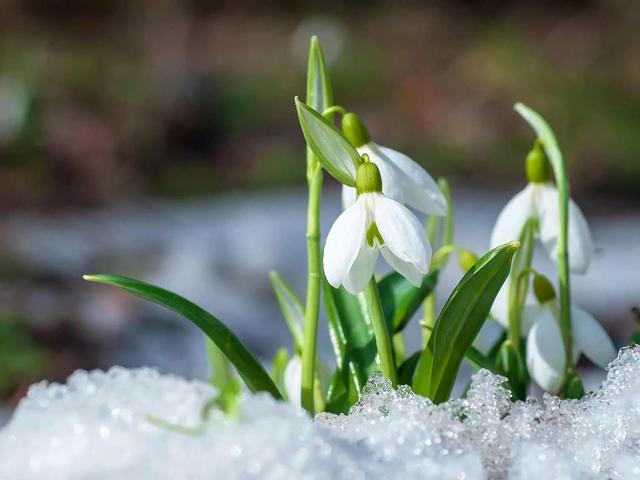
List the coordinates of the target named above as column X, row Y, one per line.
column 460, row 321
column 247, row 366
column 291, row 307
column 360, row 348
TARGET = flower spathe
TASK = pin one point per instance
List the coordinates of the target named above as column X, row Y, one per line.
column 541, row 200
column 402, row 180
column 375, row 223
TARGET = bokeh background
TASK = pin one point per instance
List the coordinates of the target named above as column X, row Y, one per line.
column 158, row 139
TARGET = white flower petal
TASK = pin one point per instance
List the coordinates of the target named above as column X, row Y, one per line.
column 500, row 307
column 545, row 352
column 402, row 233
column 590, row 338
column 580, row 241
column 343, row 242
column 349, row 196
column 361, row 271
column 406, row 269
column 392, row 185
column 293, row 379
column 513, row 217
column 420, row 189
column 530, row 314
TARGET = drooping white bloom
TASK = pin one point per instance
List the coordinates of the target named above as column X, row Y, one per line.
column 402, row 180
column 545, row 348
column 541, row 200
column 539, row 322
column 375, row 223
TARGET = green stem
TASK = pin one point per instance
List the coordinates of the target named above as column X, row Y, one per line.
column 563, row 263
column 319, row 97
column 220, row 374
column 519, row 281
column 372, row 307
column 314, row 266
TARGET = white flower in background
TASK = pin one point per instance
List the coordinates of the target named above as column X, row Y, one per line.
column 545, row 347
column 540, row 199
column 293, row 380
column 402, row 178
column 374, row 223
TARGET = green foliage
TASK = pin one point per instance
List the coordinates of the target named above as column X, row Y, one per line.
column 459, row 323
column 247, row 366
column 330, row 147
column 292, row 309
column 400, row 299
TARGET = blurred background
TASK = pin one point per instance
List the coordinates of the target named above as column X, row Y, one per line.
column 158, row 139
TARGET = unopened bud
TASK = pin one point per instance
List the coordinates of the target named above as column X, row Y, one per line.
column 355, row 130
column 368, row 178
column 538, row 166
column 543, row 288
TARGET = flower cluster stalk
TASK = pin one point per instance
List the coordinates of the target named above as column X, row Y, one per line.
column 563, row 262
column 319, row 97
column 548, row 141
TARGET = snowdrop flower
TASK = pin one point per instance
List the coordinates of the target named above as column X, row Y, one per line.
column 545, row 348
column 293, row 379
column 402, row 178
column 540, row 199
column 371, row 224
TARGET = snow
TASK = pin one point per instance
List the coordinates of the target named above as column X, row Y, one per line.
column 99, row 425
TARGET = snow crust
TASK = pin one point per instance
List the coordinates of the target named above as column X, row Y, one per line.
column 106, row 425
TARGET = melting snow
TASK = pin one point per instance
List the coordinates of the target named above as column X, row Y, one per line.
column 98, row 426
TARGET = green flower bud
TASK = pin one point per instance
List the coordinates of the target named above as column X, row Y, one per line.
column 467, row 259
column 368, row 178
column 355, row 130
column 543, row 288
column 573, row 387
column 538, row 166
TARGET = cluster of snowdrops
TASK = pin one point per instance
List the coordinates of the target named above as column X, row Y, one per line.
column 544, row 334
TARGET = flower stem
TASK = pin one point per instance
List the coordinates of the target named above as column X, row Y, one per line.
column 519, row 281
column 562, row 253
column 309, row 345
column 319, row 97
column 372, row 307
column 548, row 141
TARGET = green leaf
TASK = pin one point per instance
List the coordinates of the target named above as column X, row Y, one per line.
column 247, row 366
column 360, row 352
column 478, row 360
column 278, row 368
column 460, row 321
column 407, row 369
column 292, row 309
column 334, row 152
column 319, row 92
column 400, row 299
column 339, row 399
column 220, row 372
